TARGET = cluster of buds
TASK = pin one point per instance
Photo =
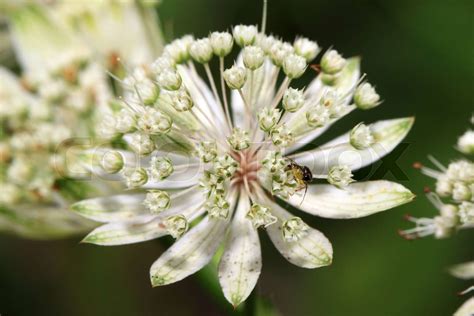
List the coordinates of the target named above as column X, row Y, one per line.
column 453, row 197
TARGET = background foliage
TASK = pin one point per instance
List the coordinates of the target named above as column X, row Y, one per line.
column 420, row 56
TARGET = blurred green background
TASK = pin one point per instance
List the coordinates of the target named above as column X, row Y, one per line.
column 420, row 56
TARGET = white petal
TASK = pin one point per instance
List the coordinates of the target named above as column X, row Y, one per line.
column 311, row 251
column 263, row 91
column 42, row 222
column 467, row 309
column 191, row 252
column 112, row 208
column 122, row 233
column 241, row 262
column 357, row 200
column 388, row 135
column 463, row 271
column 350, row 76
column 202, row 96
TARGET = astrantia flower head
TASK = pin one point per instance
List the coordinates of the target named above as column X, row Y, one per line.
column 227, row 163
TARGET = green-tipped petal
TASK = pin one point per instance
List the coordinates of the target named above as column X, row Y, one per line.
column 313, row 250
column 388, row 134
column 357, row 200
column 241, row 262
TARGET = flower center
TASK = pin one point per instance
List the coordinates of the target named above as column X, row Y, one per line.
column 248, row 167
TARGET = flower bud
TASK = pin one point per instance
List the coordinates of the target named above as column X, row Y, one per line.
column 9, row 194
column 361, row 137
column 293, row 100
column 201, row 50
column 306, row 48
column 225, row 166
column 253, row 57
column 160, row 168
column 266, row 42
column 112, row 161
column 461, row 192
column 294, row 229
column 217, row 207
column 261, row 216
column 279, row 51
column 365, row 97
column 169, row 79
column 282, row 136
column 245, row 35
column 268, row 118
column 161, row 64
column 181, row 100
column 332, row 62
column 221, row 43
column 239, row 139
column 318, row 116
column 152, row 121
column 212, row 182
column 466, row 143
column 124, row 121
column 466, row 213
column 178, row 50
column 176, row 225
column 340, row 176
column 235, row 77
column 157, row 201
column 207, row 151
column 444, row 186
column 142, row 144
column 294, row 66
column 135, row 178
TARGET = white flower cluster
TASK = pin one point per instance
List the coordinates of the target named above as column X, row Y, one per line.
column 453, row 197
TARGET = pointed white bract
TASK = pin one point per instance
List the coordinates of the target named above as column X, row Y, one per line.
column 235, row 126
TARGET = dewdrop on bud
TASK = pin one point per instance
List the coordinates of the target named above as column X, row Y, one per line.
column 176, row 225
column 461, row 192
column 135, row 178
column 281, row 136
column 361, row 137
column 178, row 50
column 466, row 143
column 260, row 216
column 181, row 100
column 161, row 64
column 239, row 139
column 221, row 43
column 306, row 48
column 253, row 57
column 201, row 50
column 112, row 162
column 157, row 201
column 235, row 77
column 318, row 116
column 141, row 144
column 294, row 66
column 340, row 176
column 160, row 168
column 294, row 229
column 268, row 118
column 217, row 207
column 169, row 79
column 365, row 97
column 152, row 121
column 207, row 151
column 332, row 62
column 293, row 100
column 245, row 35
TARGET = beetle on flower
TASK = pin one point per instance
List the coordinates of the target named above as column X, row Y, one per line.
column 215, row 174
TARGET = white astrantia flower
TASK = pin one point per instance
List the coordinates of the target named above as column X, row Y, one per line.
column 52, row 109
column 229, row 160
